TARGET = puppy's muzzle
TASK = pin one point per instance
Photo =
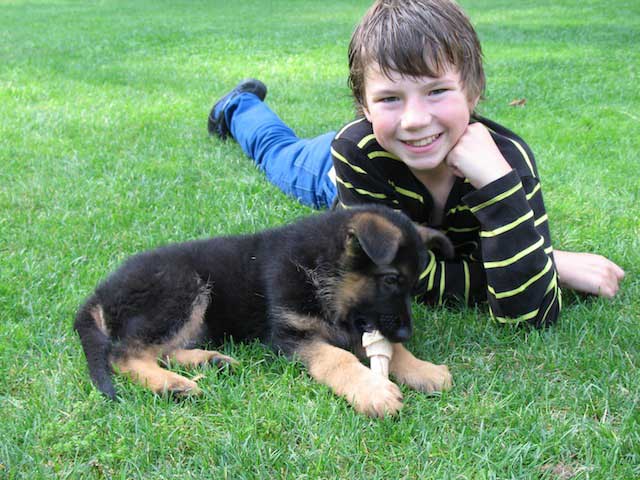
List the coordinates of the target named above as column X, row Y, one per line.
column 395, row 328
column 392, row 326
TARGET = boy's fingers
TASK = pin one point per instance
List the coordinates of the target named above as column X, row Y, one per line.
column 609, row 291
column 619, row 272
column 611, row 284
column 615, row 270
column 609, row 266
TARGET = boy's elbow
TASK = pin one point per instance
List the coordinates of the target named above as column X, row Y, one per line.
column 549, row 317
column 543, row 313
column 551, row 305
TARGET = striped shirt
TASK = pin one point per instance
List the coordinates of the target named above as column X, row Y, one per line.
column 500, row 232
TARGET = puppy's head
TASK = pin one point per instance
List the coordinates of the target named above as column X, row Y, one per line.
column 383, row 256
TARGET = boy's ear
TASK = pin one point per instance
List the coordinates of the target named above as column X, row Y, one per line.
column 473, row 103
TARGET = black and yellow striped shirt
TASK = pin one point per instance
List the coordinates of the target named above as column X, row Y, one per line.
column 500, row 232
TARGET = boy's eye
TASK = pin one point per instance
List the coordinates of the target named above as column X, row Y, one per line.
column 388, row 99
column 437, row 91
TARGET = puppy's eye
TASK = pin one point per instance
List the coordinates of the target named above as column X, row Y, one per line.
column 391, row 280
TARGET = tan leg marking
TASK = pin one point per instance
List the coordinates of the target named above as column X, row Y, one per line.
column 418, row 374
column 369, row 393
column 196, row 357
column 98, row 316
column 193, row 326
column 146, row 371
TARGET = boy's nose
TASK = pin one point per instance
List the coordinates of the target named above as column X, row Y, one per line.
column 415, row 115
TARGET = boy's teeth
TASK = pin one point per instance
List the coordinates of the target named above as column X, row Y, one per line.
column 424, row 142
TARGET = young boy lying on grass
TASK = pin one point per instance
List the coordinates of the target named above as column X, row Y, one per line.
column 416, row 73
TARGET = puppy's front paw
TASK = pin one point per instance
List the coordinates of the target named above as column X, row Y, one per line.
column 427, row 377
column 376, row 396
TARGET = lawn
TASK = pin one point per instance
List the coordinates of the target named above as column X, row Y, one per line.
column 104, row 152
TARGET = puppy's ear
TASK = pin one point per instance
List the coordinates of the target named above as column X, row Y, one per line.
column 436, row 240
column 377, row 237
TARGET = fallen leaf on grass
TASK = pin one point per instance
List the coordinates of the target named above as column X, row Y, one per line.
column 518, row 102
column 561, row 471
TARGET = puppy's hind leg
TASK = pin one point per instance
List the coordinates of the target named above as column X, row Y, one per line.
column 143, row 368
column 195, row 357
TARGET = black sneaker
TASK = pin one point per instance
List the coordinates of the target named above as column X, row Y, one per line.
column 217, row 125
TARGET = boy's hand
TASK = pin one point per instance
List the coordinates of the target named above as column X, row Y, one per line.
column 476, row 157
column 588, row 273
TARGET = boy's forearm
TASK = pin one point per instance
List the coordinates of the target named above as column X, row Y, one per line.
column 516, row 250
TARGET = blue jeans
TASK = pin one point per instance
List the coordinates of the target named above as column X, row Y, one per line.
column 302, row 168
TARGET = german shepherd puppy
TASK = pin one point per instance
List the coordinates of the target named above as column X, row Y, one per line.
column 309, row 290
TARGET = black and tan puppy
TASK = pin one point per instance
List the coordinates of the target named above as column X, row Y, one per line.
column 309, row 290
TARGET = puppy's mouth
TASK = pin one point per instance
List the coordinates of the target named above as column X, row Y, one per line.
column 363, row 323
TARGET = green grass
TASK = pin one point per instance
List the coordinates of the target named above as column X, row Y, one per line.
column 104, row 152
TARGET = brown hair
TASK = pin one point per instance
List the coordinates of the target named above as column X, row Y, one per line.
column 416, row 38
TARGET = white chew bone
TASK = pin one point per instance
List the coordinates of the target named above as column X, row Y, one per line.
column 379, row 350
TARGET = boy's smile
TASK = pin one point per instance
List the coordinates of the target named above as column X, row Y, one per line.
column 418, row 119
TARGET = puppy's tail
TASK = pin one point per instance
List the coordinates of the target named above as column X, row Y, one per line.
column 92, row 329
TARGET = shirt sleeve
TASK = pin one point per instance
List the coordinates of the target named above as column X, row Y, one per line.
column 516, row 273
column 460, row 279
column 517, row 256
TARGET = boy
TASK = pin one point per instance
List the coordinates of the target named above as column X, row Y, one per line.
column 416, row 75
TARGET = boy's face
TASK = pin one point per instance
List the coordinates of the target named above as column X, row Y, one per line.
column 418, row 119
